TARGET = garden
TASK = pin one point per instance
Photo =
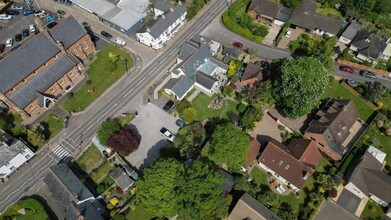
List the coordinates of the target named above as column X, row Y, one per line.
column 53, row 124
column 108, row 67
column 202, row 102
column 26, row 210
column 372, row 211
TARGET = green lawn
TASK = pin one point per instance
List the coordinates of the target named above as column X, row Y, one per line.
column 139, row 213
column 201, row 103
column 103, row 170
column 90, row 158
column 53, row 125
column 372, row 211
column 336, row 90
column 328, row 11
column 101, row 78
column 259, row 176
column 34, row 210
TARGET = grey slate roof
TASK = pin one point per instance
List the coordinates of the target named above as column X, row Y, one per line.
column 231, row 50
column 165, row 21
column 284, row 14
column 121, row 178
column 330, row 210
column 41, row 82
column 180, row 86
column 9, row 147
column 265, row 7
column 352, row 30
column 369, row 44
column 191, row 65
column 25, row 60
column 89, row 210
column 186, row 50
column 68, row 31
column 304, row 16
column 132, row 173
column 161, row 5
column 205, row 80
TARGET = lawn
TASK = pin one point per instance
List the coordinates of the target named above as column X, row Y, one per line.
column 139, row 213
column 90, row 158
column 34, row 210
column 100, row 78
column 372, row 211
column 328, row 11
column 53, row 124
column 336, row 90
column 201, row 103
column 102, row 171
column 259, row 176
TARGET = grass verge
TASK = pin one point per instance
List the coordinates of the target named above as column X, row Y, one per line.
column 34, row 210
column 53, row 124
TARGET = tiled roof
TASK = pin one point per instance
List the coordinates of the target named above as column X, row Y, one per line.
column 121, row 178
column 179, row 85
column 330, row 210
column 305, row 150
column 252, row 71
column 252, row 152
column 369, row 44
column 352, row 30
column 68, row 31
column 205, row 80
column 265, row 7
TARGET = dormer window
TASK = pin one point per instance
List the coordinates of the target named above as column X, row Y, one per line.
column 281, row 162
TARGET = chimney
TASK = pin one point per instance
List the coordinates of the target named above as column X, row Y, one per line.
column 164, row 17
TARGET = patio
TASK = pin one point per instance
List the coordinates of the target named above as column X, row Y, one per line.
column 277, row 186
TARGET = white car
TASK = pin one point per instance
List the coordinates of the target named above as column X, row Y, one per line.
column 5, row 17
column 39, row 13
column 9, row 42
column 167, row 134
column 119, row 41
column 32, row 28
column 288, row 33
column 17, row 7
column 29, row 2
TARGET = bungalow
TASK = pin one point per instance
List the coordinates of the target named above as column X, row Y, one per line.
column 196, row 67
column 331, row 127
column 268, row 12
column 121, row 178
column 252, row 75
column 168, row 19
column 350, row 32
column 368, row 46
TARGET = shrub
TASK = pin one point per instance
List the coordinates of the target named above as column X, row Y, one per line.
column 332, row 193
column 100, row 189
column 281, row 128
column 124, row 141
column 241, row 107
column 110, row 206
column 182, row 106
column 119, row 191
column 89, row 82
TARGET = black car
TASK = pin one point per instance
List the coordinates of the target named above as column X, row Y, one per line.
column 180, row 123
column 168, row 106
column 25, row 33
column 18, row 37
column 61, row 12
column 13, row 12
column 106, row 35
column 51, row 24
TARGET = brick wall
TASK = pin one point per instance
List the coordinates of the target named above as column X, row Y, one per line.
column 82, row 47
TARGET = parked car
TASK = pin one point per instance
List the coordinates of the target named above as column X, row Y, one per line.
column 9, row 42
column 51, row 24
column 13, row 12
column 25, row 32
column 346, row 69
column 367, row 74
column 32, row 28
column 119, row 41
column 18, row 37
column 106, row 35
column 29, row 2
column 61, row 12
column 37, row 13
column 167, row 134
column 5, row 17
column 352, row 83
column 2, row 47
column 238, row 45
column 50, row 18
column 288, row 33
column 180, row 123
column 17, row 7
column 28, row 12
column 168, row 106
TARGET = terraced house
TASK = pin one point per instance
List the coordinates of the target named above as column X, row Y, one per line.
column 55, row 60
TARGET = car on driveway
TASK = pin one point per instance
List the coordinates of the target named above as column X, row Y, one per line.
column 168, row 105
column 9, row 42
column 238, row 45
column 288, row 33
column 180, row 123
column 50, row 18
column 346, row 69
column 32, row 28
column 28, row 12
column 5, row 17
column 17, row 7
column 61, row 12
column 13, row 12
column 367, row 74
column 119, row 41
column 167, row 134
column 51, row 24
column 106, row 35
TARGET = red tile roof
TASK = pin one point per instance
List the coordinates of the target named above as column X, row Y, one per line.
column 305, row 150
column 252, row 152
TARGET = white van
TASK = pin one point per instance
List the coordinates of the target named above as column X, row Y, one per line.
column 32, row 28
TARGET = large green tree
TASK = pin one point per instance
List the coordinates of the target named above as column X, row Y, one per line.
column 156, row 190
column 300, row 85
column 107, row 128
column 229, row 145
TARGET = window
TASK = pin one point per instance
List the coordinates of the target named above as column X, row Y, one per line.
column 24, row 81
column 281, row 162
column 61, row 81
column 85, row 46
column 51, row 89
column 287, row 167
column 75, row 52
column 31, row 107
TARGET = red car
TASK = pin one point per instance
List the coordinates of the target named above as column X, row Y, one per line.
column 238, row 45
column 346, row 69
column 2, row 47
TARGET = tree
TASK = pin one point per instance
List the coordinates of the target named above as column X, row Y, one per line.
column 286, row 211
column 229, row 145
column 35, row 138
column 259, row 96
column 233, row 67
column 157, row 189
column 250, row 117
column 200, row 195
column 300, row 85
column 375, row 91
column 106, row 129
column 124, row 141
column 189, row 114
column 325, row 181
column 291, row 3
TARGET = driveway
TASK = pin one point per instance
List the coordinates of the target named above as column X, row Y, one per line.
column 267, row 129
column 148, row 124
column 285, row 40
column 272, row 34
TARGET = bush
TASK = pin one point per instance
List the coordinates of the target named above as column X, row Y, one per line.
column 182, row 106
column 70, row 95
column 119, row 191
column 100, row 189
column 332, row 193
column 109, row 206
column 241, row 107
column 281, row 128
column 89, row 82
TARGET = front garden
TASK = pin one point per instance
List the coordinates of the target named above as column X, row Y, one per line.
column 31, row 208
column 203, row 110
column 372, row 211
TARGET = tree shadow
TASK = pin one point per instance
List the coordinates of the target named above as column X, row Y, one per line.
column 46, row 132
column 153, row 154
column 134, row 129
column 46, row 206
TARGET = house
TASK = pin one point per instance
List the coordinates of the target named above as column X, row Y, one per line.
column 252, row 75
column 279, row 161
column 386, row 53
column 196, row 67
column 368, row 180
column 268, row 12
column 32, row 88
column 126, row 16
column 331, row 127
column 249, row 208
column 121, row 178
column 368, row 46
column 304, row 16
column 13, row 154
column 305, row 150
column 131, row 172
column 231, row 51
column 168, row 19
column 350, row 32
column 331, row 210
column 252, row 153
column 72, row 195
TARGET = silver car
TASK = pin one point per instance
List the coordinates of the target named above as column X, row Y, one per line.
column 17, row 7
column 5, row 17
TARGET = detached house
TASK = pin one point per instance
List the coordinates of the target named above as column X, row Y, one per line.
column 350, row 32
column 252, row 75
column 331, row 127
column 252, row 153
column 196, row 67
column 168, row 19
column 368, row 46
column 305, row 151
column 268, row 12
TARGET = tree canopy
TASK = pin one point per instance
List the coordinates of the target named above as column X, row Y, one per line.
column 189, row 114
column 300, row 85
column 107, row 128
column 124, row 141
column 229, row 145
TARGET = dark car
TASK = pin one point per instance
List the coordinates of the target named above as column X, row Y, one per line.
column 238, row 45
column 180, row 123
column 18, row 37
column 13, row 12
column 168, row 106
column 51, row 24
column 61, row 12
column 346, row 69
column 2, row 47
column 106, row 35
column 25, row 33
column 28, row 12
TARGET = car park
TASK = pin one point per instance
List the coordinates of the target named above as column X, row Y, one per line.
column 367, row 74
column 28, row 12
column 25, row 32
column 288, row 33
column 17, row 7
column 50, row 18
column 13, row 12
column 346, row 69
column 119, row 41
column 168, row 105
column 61, row 12
column 51, row 24
column 167, row 134
column 106, row 35
column 32, row 28
column 2, row 47
column 238, row 45
column 180, row 123
column 18, row 37
column 9, row 42
column 5, row 17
